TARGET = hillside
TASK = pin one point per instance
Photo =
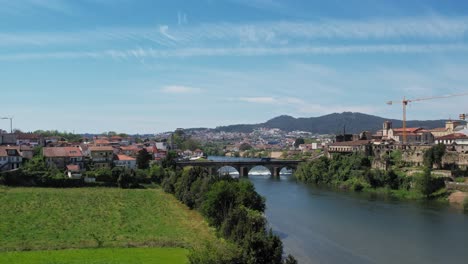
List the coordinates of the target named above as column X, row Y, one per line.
column 104, row 221
column 331, row 124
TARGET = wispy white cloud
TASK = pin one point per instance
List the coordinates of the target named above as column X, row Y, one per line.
column 180, row 89
column 142, row 53
column 26, row 7
column 164, row 29
column 302, row 107
column 259, row 100
column 181, row 18
column 274, row 33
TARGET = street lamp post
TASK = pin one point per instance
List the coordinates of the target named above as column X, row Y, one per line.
column 11, row 123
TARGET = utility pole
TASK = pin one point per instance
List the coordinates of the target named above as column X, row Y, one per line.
column 11, row 123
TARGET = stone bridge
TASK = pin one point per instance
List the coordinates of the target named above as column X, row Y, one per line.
column 243, row 167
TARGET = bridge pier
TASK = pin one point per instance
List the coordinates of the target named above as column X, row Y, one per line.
column 275, row 173
column 243, row 172
column 211, row 171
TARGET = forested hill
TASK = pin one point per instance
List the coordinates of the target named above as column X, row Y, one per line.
column 331, row 124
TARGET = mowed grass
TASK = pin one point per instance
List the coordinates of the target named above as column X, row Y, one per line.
column 51, row 219
column 98, row 256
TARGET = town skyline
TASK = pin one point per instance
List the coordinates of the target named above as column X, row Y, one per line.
column 209, row 64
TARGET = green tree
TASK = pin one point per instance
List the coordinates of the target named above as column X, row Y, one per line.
column 126, row 178
column 434, row 155
column 245, row 146
column 424, row 183
column 170, row 160
column 143, row 158
column 299, row 141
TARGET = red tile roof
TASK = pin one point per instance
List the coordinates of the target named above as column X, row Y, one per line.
column 101, row 148
column 101, row 142
column 124, row 157
column 351, row 143
column 51, row 152
column 3, row 151
column 408, row 129
column 453, row 136
column 72, row 167
column 439, row 129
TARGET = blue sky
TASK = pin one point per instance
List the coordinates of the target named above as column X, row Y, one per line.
column 150, row 66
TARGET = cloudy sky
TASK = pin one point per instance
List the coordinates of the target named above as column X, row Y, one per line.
column 150, row 66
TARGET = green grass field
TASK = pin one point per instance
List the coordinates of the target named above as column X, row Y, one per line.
column 98, row 256
column 53, row 219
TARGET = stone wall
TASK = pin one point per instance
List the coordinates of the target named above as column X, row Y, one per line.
column 456, row 186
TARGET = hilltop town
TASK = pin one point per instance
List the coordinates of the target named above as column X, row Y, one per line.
column 74, row 155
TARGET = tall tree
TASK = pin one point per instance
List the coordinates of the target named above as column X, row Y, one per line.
column 143, row 158
column 298, row 142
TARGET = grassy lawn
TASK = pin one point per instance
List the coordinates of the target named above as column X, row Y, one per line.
column 98, row 256
column 51, row 219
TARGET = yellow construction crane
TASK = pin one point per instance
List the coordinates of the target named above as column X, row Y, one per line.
column 405, row 102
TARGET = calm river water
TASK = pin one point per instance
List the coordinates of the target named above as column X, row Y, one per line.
column 325, row 226
column 319, row 225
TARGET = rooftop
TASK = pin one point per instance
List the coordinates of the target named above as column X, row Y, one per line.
column 62, row 152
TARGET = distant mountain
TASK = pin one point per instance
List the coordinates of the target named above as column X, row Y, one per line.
column 331, row 124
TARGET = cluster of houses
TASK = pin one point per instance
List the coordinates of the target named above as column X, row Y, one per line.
column 101, row 152
column 454, row 135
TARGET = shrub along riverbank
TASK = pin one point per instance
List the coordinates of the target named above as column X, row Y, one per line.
column 354, row 172
column 235, row 209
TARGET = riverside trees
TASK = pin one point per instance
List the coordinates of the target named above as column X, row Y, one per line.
column 235, row 209
column 354, row 172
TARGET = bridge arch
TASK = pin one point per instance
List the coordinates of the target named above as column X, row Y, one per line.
column 260, row 170
column 287, row 170
column 231, row 170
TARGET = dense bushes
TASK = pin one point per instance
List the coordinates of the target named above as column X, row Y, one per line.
column 433, row 156
column 354, row 172
column 234, row 208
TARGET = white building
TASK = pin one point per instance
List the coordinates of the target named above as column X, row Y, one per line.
column 10, row 158
column 125, row 161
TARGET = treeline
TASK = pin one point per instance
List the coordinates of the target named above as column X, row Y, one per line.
column 354, row 172
column 235, row 209
column 72, row 137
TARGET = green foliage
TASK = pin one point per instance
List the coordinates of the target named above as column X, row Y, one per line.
column 156, row 173
column 426, row 184
column 143, row 159
column 103, row 175
column 298, row 142
column 47, row 219
column 170, row 160
column 245, row 146
column 351, row 172
column 234, row 208
column 396, row 159
column 71, row 137
column 98, row 256
column 290, row 260
column 212, row 253
column 212, row 149
column 126, row 178
column 183, row 141
column 433, row 156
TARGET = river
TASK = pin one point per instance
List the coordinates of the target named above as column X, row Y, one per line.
column 325, row 226
column 319, row 225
